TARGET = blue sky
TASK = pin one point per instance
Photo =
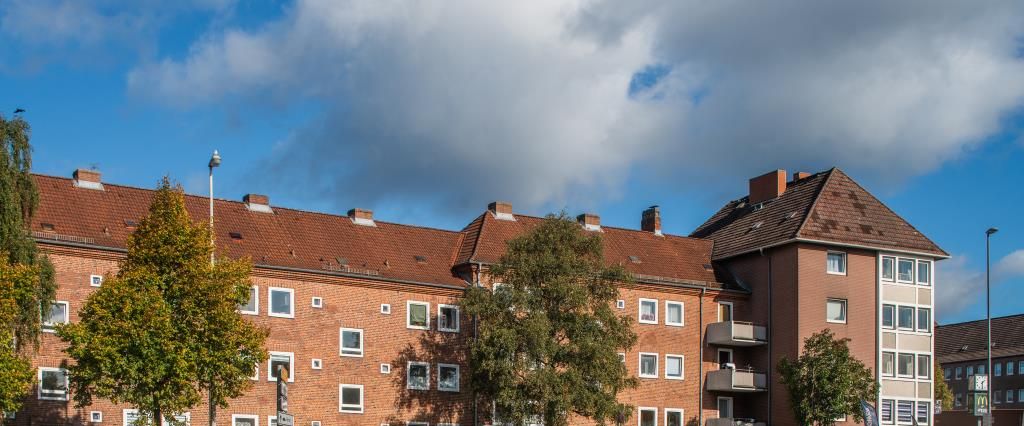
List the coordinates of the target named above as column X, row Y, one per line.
column 426, row 112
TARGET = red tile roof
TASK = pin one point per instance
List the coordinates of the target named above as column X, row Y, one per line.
column 828, row 206
column 966, row 341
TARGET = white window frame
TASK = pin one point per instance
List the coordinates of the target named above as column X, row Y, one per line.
column 732, row 310
column 682, row 415
column 639, row 416
column 385, row 308
column 917, row 272
column 844, row 264
column 917, row 320
column 458, row 376
column 622, row 357
column 125, row 412
column 917, row 366
column 236, row 417
column 385, row 368
column 408, row 375
column 913, row 411
column 682, row 313
column 256, row 372
column 1010, row 367
column 913, row 365
column 317, row 364
column 732, row 406
column 958, row 372
column 270, row 301
column 682, row 366
column 93, row 418
column 913, row 317
column 640, row 365
column 316, row 302
column 92, row 280
column 927, row 412
column 408, row 314
column 291, row 365
column 620, row 304
column 51, row 327
column 881, row 269
column 892, row 412
column 39, row 387
column 846, row 311
column 271, row 420
column 913, row 271
column 458, row 314
column 893, row 372
column 640, row 311
column 256, row 299
column 341, row 342
column 893, row 310
column 349, row 408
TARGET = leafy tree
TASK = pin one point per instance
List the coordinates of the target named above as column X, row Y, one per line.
column 942, row 392
column 165, row 329
column 548, row 339
column 826, row 382
column 28, row 284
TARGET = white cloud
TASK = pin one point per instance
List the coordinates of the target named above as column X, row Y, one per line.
column 457, row 103
column 961, row 286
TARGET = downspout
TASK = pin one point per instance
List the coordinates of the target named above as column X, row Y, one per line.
column 700, row 364
column 771, row 339
column 476, row 401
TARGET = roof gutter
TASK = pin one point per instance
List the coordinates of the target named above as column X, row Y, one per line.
column 835, row 243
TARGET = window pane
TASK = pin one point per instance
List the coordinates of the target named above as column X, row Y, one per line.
column 245, row 422
column 888, row 316
column 674, row 312
column 1009, row 368
column 837, row 263
column 997, row 368
column 282, row 361
column 906, row 364
column 924, row 272
column 673, row 366
column 888, row 266
column 886, row 413
column 887, row 363
column 249, row 307
column 350, row 396
column 905, row 411
column 836, row 310
column 351, row 342
column 57, row 315
column 418, row 374
column 281, row 302
column 418, row 315
column 449, row 319
column 647, row 417
column 924, row 365
column 906, row 317
column 448, row 378
column 924, row 319
column 922, row 412
column 724, row 312
column 54, row 382
column 648, row 365
column 648, row 311
column 906, row 270
column 674, row 418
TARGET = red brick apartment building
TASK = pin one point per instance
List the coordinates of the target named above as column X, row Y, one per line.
column 365, row 313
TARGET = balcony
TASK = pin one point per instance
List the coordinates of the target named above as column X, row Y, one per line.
column 736, row 333
column 728, row 421
column 732, row 380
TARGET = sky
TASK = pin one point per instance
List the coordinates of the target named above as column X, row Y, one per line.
column 426, row 111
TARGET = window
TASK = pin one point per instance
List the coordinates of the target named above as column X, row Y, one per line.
column 674, row 367
column 724, row 407
column 96, row 416
column 317, row 364
column 924, row 272
column 244, row 420
column 285, row 360
column 417, row 315
column 271, row 420
column 314, row 423
column 924, row 319
column 997, row 397
column 448, row 377
column 673, row 417
column 1020, row 368
column 724, row 311
column 888, row 361
column 648, row 365
column 888, row 268
column 252, row 306
column 981, row 369
column 131, row 415
column 385, row 309
column 836, row 263
column 418, row 375
column 905, row 271
column 58, row 314
column 922, row 412
column 621, row 304
column 1009, row 396
column 946, row 373
column 648, row 311
column 885, row 413
column 351, row 398
column 997, row 368
column 1009, row 368
column 724, row 357
column 674, row 313
column 924, row 366
column 959, row 401
column 385, row 369
column 905, row 412
column 906, row 317
column 622, row 357
column 970, row 370
column 958, row 371
column 96, row 281
column 888, row 316
column 317, row 302
column 256, row 372
column 351, row 342
column 448, row 318
column 53, row 384
column 648, row 416
column 1020, row 394
column 835, row 310
column 905, row 365
column 281, row 302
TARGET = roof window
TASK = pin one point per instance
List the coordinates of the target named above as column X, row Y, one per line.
column 420, row 258
column 47, row 226
column 756, row 225
column 634, row 259
column 237, row 236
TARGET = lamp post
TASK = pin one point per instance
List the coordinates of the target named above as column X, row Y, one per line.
column 988, row 315
column 214, row 162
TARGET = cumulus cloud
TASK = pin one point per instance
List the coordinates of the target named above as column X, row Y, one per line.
column 961, row 286
column 455, row 103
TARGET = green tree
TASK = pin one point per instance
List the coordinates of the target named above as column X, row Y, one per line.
column 548, row 339
column 153, row 335
column 826, row 382
column 942, row 392
column 29, row 284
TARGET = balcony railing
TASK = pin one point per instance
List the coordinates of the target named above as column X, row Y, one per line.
column 729, row 421
column 733, row 380
column 736, row 333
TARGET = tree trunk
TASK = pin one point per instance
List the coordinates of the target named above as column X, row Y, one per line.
column 213, row 408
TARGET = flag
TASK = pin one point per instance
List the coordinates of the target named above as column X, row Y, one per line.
column 869, row 414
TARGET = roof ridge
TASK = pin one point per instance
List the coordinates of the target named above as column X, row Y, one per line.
column 978, row 320
column 619, row 228
column 814, row 204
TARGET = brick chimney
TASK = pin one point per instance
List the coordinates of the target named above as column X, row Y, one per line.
column 800, row 175
column 767, row 186
column 501, row 210
column 88, row 179
column 257, row 203
column 590, row 221
column 361, row 217
column 650, row 220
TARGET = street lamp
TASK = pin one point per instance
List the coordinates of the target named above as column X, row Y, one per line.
column 214, row 162
column 988, row 314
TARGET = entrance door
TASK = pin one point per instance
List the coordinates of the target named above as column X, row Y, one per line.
column 724, row 311
column 724, row 407
column 724, row 357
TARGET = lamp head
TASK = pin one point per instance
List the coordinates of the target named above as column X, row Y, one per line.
column 991, row 231
column 215, row 159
